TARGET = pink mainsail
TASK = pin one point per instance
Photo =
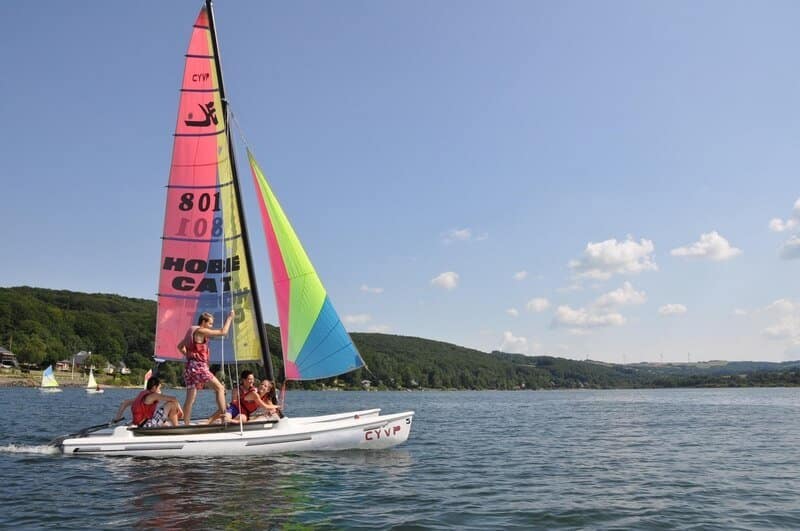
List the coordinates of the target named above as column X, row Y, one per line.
column 204, row 266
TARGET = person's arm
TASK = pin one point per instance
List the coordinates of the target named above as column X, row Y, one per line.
column 260, row 402
column 220, row 332
column 155, row 397
column 122, row 407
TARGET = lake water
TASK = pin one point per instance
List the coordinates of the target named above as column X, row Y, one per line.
column 654, row 459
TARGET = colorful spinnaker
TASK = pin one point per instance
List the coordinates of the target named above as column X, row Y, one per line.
column 204, row 263
column 315, row 342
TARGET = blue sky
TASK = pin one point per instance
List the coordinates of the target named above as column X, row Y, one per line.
column 611, row 180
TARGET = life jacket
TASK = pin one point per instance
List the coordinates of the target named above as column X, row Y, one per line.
column 141, row 411
column 196, row 351
column 247, row 406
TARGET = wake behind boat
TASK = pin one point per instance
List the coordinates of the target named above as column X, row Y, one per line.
column 206, row 266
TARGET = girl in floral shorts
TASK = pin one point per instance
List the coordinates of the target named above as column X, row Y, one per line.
column 197, row 374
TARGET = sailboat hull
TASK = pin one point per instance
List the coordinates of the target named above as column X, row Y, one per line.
column 357, row 430
column 95, row 391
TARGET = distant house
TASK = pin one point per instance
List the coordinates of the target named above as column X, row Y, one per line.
column 123, row 369
column 8, row 359
column 64, row 365
column 79, row 359
column 109, row 369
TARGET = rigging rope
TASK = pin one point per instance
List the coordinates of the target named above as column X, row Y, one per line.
column 233, row 121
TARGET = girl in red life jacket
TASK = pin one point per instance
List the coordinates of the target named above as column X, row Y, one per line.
column 196, row 374
column 266, row 395
column 145, row 408
column 245, row 402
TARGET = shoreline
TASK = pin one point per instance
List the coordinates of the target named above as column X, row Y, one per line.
column 29, row 381
column 7, row 380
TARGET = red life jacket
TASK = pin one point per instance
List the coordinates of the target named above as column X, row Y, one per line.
column 247, row 406
column 141, row 411
column 196, row 351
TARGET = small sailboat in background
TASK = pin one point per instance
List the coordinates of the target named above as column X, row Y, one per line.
column 91, row 385
column 49, row 383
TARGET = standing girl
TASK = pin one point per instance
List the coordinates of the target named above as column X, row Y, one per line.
column 197, row 374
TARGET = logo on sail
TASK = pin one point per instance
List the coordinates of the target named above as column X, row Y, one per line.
column 210, row 116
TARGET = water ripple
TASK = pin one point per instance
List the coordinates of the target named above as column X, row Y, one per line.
column 655, row 459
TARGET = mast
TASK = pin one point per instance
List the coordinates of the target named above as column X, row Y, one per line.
column 262, row 333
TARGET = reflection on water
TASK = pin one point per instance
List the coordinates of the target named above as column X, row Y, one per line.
column 234, row 492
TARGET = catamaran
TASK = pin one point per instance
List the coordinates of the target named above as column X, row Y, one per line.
column 206, row 267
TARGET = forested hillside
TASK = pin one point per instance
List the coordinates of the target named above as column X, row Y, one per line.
column 43, row 326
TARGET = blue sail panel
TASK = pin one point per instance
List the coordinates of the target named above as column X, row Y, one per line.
column 329, row 351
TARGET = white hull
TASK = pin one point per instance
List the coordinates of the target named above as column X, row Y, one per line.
column 356, row 430
column 50, row 389
column 95, row 391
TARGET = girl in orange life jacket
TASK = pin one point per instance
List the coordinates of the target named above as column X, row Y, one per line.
column 145, row 409
column 196, row 374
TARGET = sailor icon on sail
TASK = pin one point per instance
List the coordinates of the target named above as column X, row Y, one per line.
column 210, row 116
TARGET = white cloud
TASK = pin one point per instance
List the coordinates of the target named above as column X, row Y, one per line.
column 602, row 260
column 786, row 327
column 356, row 319
column 514, row 344
column 582, row 318
column 739, row 312
column 791, row 248
column 513, row 312
column 368, row 289
column 447, row 280
column 379, row 329
column 520, row 275
column 538, row 304
column 779, row 225
column 621, row 296
column 461, row 235
column 711, row 246
column 782, row 306
column 672, row 309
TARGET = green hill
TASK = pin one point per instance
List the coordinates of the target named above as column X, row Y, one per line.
column 43, row 326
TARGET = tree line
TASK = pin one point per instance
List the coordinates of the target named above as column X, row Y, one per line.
column 43, row 326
